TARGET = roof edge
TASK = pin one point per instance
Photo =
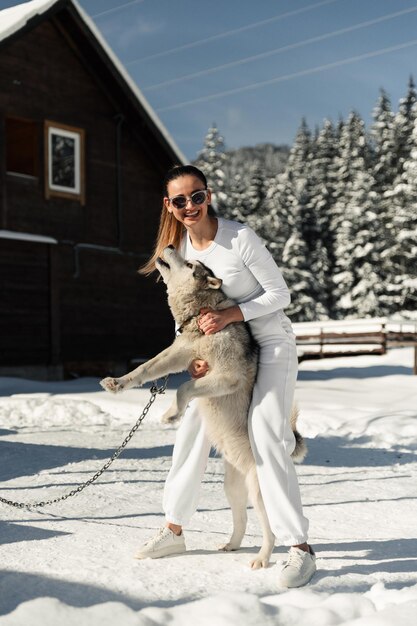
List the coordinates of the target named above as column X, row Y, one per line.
column 128, row 79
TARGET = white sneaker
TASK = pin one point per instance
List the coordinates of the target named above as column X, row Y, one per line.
column 164, row 543
column 298, row 569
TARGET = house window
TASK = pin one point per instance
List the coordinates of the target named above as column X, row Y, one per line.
column 64, row 161
column 22, row 147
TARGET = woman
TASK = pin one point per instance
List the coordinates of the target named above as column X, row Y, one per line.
column 250, row 276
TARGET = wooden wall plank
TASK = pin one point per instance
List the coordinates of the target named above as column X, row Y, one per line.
column 25, row 306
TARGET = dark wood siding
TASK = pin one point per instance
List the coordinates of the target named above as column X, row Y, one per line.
column 25, row 303
column 109, row 312
column 142, row 198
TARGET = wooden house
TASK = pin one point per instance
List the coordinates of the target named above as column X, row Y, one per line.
column 82, row 158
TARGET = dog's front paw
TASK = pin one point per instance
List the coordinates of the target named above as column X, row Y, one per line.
column 114, row 385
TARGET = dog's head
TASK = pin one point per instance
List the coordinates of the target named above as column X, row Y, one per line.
column 184, row 276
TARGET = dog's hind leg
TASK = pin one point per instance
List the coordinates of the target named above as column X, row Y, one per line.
column 210, row 386
column 237, row 496
column 268, row 538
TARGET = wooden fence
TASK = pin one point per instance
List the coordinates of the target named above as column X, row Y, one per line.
column 354, row 338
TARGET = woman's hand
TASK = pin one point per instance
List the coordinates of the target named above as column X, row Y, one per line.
column 211, row 321
column 198, row 368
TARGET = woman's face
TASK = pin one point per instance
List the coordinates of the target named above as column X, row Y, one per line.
column 192, row 213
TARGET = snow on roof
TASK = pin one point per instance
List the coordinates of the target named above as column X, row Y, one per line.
column 12, row 234
column 15, row 18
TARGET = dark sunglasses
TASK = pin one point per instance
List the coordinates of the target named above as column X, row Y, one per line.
column 197, row 197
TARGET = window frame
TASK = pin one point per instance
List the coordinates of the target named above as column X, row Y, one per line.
column 77, row 193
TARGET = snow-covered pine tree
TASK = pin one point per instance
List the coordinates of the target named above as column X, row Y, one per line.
column 400, row 253
column 273, row 226
column 254, row 209
column 399, row 205
column 244, row 198
column 296, row 268
column 263, row 222
column 254, row 192
column 233, row 197
column 211, row 160
column 385, row 170
column 384, row 145
column 404, row 125
column 296, row 210
column 323, row 192
column 281, row 195
column 240, row 178
column 407, row 229
column 357, row 227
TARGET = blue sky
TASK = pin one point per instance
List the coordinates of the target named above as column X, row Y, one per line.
column 256, row 68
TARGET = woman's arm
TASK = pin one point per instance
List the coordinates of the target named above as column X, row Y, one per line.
column 275, row 293
column 259, row 261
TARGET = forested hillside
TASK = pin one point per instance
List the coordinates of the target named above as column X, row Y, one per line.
column 338, row 212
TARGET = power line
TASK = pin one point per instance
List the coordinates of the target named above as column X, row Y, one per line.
column 264, row 55
column 118, row 8
column 279, row 79
column 235, row 31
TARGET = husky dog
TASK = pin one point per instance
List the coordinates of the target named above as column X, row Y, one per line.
column 224, row 393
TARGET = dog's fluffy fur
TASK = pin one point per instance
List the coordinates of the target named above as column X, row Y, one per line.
column 224, row 393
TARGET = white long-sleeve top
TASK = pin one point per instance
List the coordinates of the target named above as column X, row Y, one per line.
column 249, row 273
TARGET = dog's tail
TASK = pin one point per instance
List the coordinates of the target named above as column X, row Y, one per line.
column 300, row 449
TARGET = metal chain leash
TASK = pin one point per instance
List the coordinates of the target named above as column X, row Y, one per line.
column 155, row 390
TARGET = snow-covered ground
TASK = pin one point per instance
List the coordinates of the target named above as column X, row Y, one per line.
column 72, row 563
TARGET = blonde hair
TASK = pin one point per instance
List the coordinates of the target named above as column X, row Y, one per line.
column 170, row 230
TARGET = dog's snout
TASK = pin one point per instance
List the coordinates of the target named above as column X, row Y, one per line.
column 171, row 247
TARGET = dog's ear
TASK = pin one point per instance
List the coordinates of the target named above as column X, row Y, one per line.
column 213, row 282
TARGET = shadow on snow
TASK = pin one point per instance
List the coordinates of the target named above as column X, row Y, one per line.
column 24, row 459
column 18, row 587
column 15, row 533
column 373, row 371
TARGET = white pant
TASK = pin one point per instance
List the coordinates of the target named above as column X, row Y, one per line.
column 271, row 439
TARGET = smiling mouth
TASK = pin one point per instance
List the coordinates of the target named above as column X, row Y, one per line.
column 192, row 213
